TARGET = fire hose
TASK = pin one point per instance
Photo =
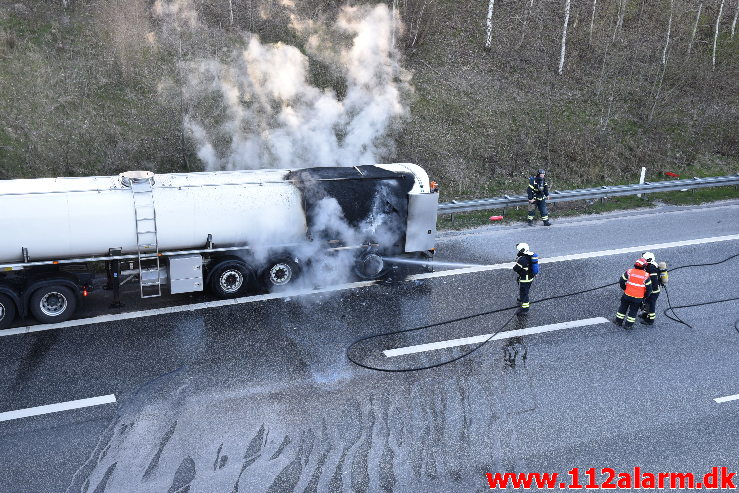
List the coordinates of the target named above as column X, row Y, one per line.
column 491, row 312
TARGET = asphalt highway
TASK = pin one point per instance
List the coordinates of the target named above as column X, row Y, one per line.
column 261, row 396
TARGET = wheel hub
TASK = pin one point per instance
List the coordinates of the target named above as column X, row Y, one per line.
column 231, row 280
column 280, row 274
column 53, row 304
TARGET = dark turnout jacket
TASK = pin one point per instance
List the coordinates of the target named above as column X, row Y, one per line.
column 538, row 188
column 653, row 271
column 523, row 268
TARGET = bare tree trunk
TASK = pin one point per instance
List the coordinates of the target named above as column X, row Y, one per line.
column 526, row 16
column 733, row 23
column 392, row 34
column 667, row 41
column 489, row 36
column 695, row 28
column 592, row 21
column 564, row 37
column 715, row 35
column 419, row 26
column 231, row 12
column 664, row 65
column 621, row 14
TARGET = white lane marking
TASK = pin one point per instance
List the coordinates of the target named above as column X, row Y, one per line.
column 177, row 309
column 465, row 341
column 720, row 400
column 577, row 256
column 354, row 285
column 55, row 408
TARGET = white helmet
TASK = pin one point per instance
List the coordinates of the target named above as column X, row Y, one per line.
column 523, row 249
column 648, row 256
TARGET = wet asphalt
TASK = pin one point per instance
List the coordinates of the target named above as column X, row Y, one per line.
column 261, row 397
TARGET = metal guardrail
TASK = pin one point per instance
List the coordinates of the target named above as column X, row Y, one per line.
column 589, row 193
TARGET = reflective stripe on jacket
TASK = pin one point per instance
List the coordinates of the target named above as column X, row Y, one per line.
column 538, row 188
column 637, row 281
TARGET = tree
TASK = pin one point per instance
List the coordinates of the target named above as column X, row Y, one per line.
column 489, row 34
column 715, row 35
column 695, row 28
column 564, row 37
column 664, row 62
column 592, row 21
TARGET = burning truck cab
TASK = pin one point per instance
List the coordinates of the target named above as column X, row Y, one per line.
column 230, row 232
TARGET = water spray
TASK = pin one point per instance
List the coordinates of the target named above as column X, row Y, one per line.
column 428, row 263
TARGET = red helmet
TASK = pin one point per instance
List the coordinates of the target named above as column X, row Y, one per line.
column 641, row 264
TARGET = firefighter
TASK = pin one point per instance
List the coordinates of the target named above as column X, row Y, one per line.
column 538, row 193
column 655, row 275
column 637, row 286
column 526, row 271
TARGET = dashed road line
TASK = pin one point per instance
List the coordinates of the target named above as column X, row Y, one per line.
column 721, row 400
column 465, row 341
column 577, row 256
column 55, row 408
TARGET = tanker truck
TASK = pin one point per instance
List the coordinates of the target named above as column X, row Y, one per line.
column 230, row 232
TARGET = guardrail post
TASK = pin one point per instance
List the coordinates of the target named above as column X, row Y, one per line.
column 641, row 178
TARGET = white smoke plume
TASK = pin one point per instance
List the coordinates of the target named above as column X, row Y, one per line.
column 258, row 108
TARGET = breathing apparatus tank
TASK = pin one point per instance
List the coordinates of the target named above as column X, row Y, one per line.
column 663, row 275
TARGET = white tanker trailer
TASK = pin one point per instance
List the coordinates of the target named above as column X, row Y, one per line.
column 225, row 231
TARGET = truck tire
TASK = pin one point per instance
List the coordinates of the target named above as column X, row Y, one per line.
column 7, row 311
column 280, row 272
column 371, row 266
column 51, row 304
column 231, row 279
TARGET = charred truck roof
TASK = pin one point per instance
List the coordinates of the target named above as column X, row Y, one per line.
column 373, row 200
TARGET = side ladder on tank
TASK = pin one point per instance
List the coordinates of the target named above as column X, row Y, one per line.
column 146, row 234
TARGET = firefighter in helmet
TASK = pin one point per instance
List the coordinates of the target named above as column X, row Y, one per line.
column 524, row 267
column 658, row 276
column 538, row 193
column 637, row 286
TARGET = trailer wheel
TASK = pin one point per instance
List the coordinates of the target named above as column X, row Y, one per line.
column 53, row 304
column 371, row 266
column 231, row 279
column 7, row 311
column 280, row 272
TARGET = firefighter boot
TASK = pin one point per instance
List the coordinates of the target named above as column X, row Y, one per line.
column 547, row 223
column 531, row 222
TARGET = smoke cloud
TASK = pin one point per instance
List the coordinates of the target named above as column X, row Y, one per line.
column 334, row 101
column 260, row 107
